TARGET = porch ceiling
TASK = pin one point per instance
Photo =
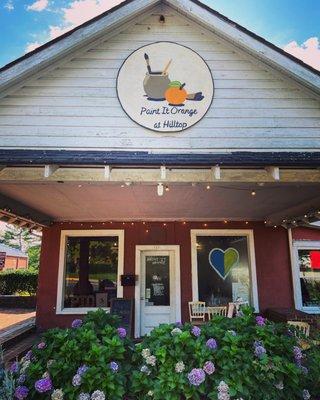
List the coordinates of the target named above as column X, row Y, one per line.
column 109, row 201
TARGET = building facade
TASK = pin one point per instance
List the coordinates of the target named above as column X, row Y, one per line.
column 168, row 155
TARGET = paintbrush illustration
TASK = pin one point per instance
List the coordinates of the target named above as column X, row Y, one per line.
column 146, row 57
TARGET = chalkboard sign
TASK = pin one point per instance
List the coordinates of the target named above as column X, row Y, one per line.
column 124, row 309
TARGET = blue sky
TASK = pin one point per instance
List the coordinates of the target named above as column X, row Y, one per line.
column 25, row 24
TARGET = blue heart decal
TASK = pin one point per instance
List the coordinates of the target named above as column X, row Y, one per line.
column 222, row 261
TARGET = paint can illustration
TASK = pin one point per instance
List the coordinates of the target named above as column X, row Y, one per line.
column 155, row 84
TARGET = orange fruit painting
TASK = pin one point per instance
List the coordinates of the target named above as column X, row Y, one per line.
column 176, row 94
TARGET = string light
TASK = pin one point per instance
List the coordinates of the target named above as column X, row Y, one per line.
column 253, row 193
column 208, row 187
column 167, row 188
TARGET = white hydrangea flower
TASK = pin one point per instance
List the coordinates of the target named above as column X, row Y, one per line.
column 306, row 395
column 98, row 395
column 179, row 367
column 146, row 353
column 145, row 370
column 151, row 360
column 176, row 331
column 49, row 363
column 57, row 394
column 25, row 366
column 150, row 393
column 45, row 375
column 279, row 385
column 223, row 391
column 84, row 396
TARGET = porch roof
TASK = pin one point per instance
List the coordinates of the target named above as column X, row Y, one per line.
column 138, row 158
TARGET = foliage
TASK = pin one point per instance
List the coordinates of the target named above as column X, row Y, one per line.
column 34, row 257
column 18, row 281
column 254, row 361
column 240, row 358
column 19, row 237
column 7, row 381
column 94, row 346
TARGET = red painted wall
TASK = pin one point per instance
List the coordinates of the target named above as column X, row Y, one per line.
column 271, row 251
column 305, row 234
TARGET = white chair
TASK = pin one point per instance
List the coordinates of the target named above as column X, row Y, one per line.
column 213, row 311
column 197, row 311
column 300, row 328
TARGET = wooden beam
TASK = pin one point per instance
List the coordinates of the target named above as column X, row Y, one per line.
column 163, row 173
column 107, row 172
column 274, row 172
column 216, row 173
column 50, row 170
column 151, row 175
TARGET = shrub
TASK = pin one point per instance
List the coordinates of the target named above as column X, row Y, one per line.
column 241, row 358
column 226, row 358
column 84, row 359
column 22, row 280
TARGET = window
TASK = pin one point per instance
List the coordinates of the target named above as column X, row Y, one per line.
column 307, row 276
column 90, row 266
column 223, row 267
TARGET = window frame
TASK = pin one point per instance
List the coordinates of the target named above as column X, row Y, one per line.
column 248, row 233
column 65, row 234
column 302, row 245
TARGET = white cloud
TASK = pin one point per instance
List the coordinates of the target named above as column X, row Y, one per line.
column 80, row 11
column 308, row 52
column 32, row 46
column 38, row 5
column 9, row 5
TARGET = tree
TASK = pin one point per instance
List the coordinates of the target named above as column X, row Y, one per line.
column 24, row 240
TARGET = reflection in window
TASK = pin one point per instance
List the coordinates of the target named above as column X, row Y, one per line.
column 223, row 269
column 91, row 271
column 309, row 269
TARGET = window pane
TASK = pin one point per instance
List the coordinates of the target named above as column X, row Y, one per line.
column 309, row 267
column 157, row 281
column 91, row 271
column 223, row 269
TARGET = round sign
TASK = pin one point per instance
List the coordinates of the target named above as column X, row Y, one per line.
column 165, row 87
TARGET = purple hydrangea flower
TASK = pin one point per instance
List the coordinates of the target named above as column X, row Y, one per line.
column 28, row 355
column 122, row 332
column 41, row 345
column 21, row 392
column 114, row 366
column 209, row 367
column 304, row 370
column 21, row 379
column 298, row 356
column 76, row 323
column 196, row 376
column 82, row 370
column 260, row 320
column 212, row 344
column 14, row 368
column 259, row 350
column 76, row 380
column 43, row 385
column 196, row 331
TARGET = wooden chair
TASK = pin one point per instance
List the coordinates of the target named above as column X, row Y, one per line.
column 197, row 312
column 301, row 328
column 213, row 311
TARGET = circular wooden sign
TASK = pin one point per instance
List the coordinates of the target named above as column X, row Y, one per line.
column 165, row 87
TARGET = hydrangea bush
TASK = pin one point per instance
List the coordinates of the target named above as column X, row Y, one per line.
column 241, row 358
column 87, row 361
column 244, row 358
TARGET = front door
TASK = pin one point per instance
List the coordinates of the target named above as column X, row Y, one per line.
column 159, row 288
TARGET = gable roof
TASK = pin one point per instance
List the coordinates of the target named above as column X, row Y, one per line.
column 11, row 251
column 56, row 49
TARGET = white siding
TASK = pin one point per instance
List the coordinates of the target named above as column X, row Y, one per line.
column 75, row 106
